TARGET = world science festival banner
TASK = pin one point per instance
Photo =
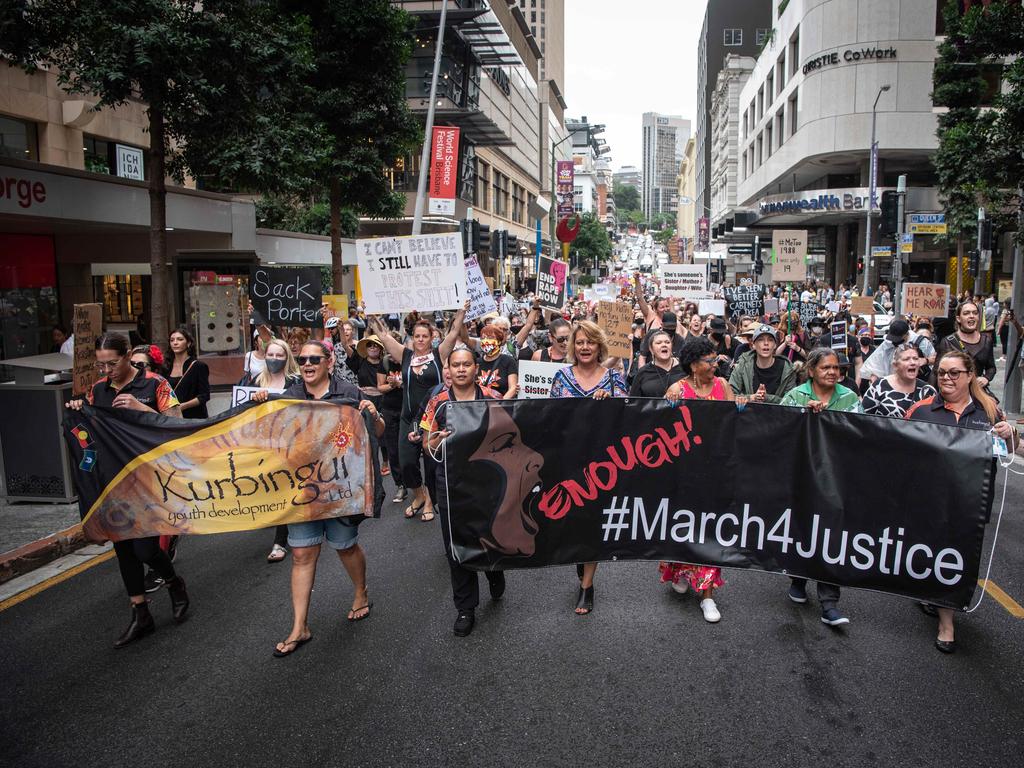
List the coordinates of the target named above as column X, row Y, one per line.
column 766, row 487
column 285, row 461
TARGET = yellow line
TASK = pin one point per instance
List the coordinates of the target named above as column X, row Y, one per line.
column 32, row 591
column 1012, row 606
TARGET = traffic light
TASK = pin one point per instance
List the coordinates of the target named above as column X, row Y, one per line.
column 758, row 261
column 483, row 237
column 466, row 233
column 975, row 262
column 985, row 236
column 889, row 224
column 860, row 264
column 511, row 245
column 499, row 244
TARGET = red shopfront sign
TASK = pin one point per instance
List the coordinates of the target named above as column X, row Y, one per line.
column 27, row 261
column 444, row 170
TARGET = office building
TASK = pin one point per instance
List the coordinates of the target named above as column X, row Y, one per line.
column 664, row 139
column 686, row 218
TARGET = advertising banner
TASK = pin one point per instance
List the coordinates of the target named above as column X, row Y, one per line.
column 287, row 296
column 444, row 170
column 284, row 461
column 551, row 283
column 695, row 484
column 565, row 178
column 421, row 272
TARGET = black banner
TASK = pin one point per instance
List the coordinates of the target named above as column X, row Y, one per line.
column 287, row 296
column 745, row 300
column 767, row 487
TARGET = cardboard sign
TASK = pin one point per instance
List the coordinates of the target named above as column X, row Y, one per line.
column 684, row 281
column 481, row 299
column 414, row 272
column 242, row 395
column 771, row 306
column 862, row 305
column 337, row 305
column 925, row 299
column 287, row 296
column 808, row 311
column 616, row 319
column 832, row 306
column 790, row 246
column 86, row 325
column 712, row 307
column 444, row 170
column 551, row 283
column 745, row 300
column 838, row 331
column 535, row 378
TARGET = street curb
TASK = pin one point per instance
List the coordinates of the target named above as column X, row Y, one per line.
column 28, row 557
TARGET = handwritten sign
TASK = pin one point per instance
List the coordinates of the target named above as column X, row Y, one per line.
column 712, row 307
column 808, row 311
column 481, row 299
column 551, row 283
column 790, row 246
column 926, row 299
column 416, row 272
column 745, row 300
column 287, row 296
column 771, row 306
column 86, row 325
column 616, row 318
column 685, row 281
column 862, row 305
column 242, row 395
column 535, row 378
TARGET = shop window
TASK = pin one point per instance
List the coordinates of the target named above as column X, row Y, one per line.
column 28, row 297
column 18, row 139
column 121, row 297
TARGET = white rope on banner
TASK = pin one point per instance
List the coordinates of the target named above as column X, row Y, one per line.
column 1011, row 457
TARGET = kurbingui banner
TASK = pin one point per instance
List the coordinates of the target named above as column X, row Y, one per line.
column 285, row 461
column 766, row 487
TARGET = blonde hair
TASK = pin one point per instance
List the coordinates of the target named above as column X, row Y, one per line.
column 978, row 394
column 595, row 334
column 291, row 368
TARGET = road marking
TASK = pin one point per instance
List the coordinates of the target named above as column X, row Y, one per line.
column 35, row 589
column 1012, row 606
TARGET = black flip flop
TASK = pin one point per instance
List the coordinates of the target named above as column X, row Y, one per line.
column 279, row 654
column 369, row 609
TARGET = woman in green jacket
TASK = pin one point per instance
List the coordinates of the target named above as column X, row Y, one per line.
column 759, row 374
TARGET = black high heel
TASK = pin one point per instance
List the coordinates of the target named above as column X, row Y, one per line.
column 140, row 626
column 179, row 598
column 585, row 601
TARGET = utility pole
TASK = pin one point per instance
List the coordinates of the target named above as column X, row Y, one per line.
column 872, row 187
column 1012, row 391
column 897, row 265
column 978, row 244
column 421, row 184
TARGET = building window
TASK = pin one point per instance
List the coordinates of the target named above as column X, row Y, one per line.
column 733, row 37
column 769, row 89
column 780, row 123
column 780, row 72
column 517, row 204
column 467, row 173
column 791, row 118
column 768, row 140
column 18, row 139
column 794, row 53
column 483, row 183
column 746, row 131
column 743, row 164
column 101, row 155
column 760, row 102
column 760, row 149
column 760, row 36
column 500, row 194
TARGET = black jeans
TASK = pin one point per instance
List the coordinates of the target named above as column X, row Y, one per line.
column 409, row 456
column 391, row 438
column 828, row 594
column 281, row 536
column 133, row 555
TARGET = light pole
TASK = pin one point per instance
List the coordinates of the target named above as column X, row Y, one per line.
column 421, row 184
column 872, row 173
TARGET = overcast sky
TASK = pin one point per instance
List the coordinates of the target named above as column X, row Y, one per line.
column 627, row 57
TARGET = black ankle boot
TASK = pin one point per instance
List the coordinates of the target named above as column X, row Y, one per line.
column 140, row 626
column 179, row 598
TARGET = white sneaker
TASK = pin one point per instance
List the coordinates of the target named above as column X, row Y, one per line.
column 680, row 587
column 710, row 610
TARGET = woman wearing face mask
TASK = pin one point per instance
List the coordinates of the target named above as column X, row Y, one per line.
column 189, row 377
column 498, row 371
column 896, row 393
column 421, row 371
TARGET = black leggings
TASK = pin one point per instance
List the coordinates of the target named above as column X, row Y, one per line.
column 132, row 554
column 391, row 438
column 409, row 456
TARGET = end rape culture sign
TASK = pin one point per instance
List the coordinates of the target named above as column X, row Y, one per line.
column 287, row 296
column 551, row 283
column 421, row 272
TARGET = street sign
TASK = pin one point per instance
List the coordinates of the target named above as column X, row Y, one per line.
column 906, row 243
column 927, row 224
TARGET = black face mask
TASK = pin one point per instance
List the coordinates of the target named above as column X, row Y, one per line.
column 275, row 365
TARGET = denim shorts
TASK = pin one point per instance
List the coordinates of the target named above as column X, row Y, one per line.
column 341, row 532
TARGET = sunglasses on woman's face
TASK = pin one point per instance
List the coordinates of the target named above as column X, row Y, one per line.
column 140, row 365
column 310, row 359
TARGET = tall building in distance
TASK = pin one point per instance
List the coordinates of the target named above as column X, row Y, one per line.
column 664, row 139
column 630, row 176
column 739, row 27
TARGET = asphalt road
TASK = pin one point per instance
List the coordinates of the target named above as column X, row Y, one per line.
column 642, row 681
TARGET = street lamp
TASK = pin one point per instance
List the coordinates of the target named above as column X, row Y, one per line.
column 872, row 170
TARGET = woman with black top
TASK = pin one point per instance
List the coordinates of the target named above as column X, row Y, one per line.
column 369, row 365
column 653, row 379
column 389, row 384
column 189, row 376
column 497, row 370
column 421, row 372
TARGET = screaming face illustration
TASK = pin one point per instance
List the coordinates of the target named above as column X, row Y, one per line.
column 512, row 527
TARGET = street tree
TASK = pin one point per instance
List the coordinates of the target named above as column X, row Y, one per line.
column 218, row 79
column 627, row 197
column 592, row 244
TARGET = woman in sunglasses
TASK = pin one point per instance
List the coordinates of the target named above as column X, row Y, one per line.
column 962, row 402
column 148, row 357
column 123, row 385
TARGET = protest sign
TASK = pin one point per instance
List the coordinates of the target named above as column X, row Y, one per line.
column 242, row 395
column 712, row 307
column 287, row 296
column 808, row 310
column 745, row 300
column 832, row 306
column 685, row 281
column 925, row 299
column 415, row 272
column 838, row 332
column 86, row 325
column 481, row 300
column 535, row 378
column 648, row 481
column 790, row 246
column 616, row 318
column 337, row 305
column 771, row 306
column 283, row 461
column 551, row 283
column 862, row 305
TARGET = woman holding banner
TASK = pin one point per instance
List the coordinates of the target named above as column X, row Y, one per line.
column 699, row 361
column 421, row 372
column 587, row 377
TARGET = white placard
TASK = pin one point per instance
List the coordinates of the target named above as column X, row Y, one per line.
column 790, row 247
column 832, row 306
column 771, row 306
column 241, row 395
column 481, row 300
column 402, row 274
column 129, row 162
column 711, row 307
column 684, row 281
column 535, row 378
